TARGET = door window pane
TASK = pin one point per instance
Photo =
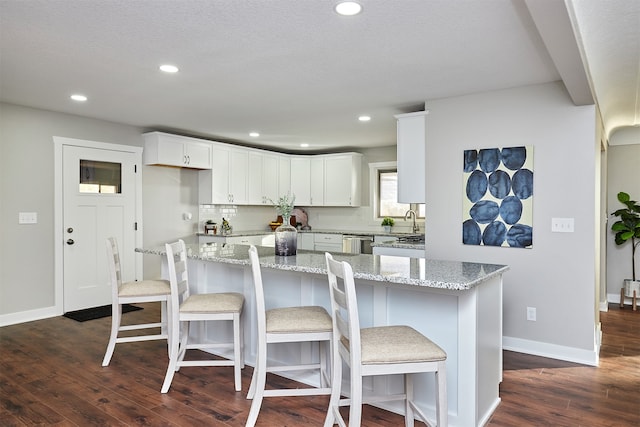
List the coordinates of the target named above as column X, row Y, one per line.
column 100, row 177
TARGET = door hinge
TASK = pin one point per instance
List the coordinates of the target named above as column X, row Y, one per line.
column 135, row 226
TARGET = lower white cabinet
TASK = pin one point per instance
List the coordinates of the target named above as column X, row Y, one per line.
column 257, row 240
column 305, row 241
column 327, row 242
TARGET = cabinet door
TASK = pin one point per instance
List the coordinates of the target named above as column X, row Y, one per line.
column 198, row 155
column 238, row 170
column 305, row 241
column 301, row 180
column 173, row 150
column 213, row 184
column 411, row 157
column 317, row 181
column 342, row 180
column 255, row 178
column 270, row 176
column 284, row 176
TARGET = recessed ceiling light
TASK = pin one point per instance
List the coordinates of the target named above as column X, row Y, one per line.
column 167, row 68
column 78, row 97
column 348, row 8
column 304, row 145
column 254, row 134
column 364, row 118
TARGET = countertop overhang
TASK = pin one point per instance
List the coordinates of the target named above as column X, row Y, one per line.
column 429, row 273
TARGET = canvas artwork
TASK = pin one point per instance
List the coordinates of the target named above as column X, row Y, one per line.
column 497, row 208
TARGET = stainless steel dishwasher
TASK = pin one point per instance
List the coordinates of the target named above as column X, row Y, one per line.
column 357, row 244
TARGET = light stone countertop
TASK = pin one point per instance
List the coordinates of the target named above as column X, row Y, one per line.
column 451, row 275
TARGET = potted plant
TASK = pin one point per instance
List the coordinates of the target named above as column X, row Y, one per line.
column 387, row 223
column 627, row 228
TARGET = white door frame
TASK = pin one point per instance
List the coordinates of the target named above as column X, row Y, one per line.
column 58, row 211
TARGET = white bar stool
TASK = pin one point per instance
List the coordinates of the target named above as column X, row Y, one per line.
column 131, row 293
column 185, row 308
column 285, row 325
column 382, row 350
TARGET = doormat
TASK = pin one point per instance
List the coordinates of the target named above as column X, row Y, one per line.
column 97, row 312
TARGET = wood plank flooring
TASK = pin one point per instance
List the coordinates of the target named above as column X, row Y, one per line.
column 50, row 374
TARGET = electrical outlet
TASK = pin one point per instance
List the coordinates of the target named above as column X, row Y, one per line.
column 562, row 225
column 531, row 314
column 27, row 218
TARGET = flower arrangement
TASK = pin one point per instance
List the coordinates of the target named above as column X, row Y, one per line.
column 284, row 205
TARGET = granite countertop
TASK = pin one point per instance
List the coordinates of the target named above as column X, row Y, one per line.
column 451, row 275
column 344, row 232
column 399, row 245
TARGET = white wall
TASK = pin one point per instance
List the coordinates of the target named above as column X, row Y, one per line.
column 623, row 175
column 557, row 275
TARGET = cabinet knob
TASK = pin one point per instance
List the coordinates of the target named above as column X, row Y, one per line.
column 70, row 242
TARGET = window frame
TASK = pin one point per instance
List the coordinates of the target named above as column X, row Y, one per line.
column 374, row 179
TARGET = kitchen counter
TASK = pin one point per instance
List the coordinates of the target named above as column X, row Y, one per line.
column 452, row 275
column 458, row 305
column 332, row 231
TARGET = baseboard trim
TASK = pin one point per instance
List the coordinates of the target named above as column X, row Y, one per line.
column 553, row 351
column 29, row 316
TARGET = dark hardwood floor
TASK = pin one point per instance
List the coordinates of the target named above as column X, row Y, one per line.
column 50, row 374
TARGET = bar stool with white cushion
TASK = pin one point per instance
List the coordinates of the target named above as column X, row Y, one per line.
column 131, row 293
column 286, row 325
column 382, row 350
column 185, row 308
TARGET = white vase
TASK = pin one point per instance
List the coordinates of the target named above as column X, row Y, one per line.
column 386, row 228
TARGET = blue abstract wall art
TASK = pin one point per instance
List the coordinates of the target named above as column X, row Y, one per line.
column 497, row 207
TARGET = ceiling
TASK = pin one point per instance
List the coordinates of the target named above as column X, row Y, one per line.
column 296, row 72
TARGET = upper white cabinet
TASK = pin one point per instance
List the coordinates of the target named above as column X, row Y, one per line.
column 307, row 180
column 301, row 179
column 411, row 157
column 284, row 175
column 264, row 177
column 342, row 179
column 173, row 150
column 226, row 182
column 327, row 180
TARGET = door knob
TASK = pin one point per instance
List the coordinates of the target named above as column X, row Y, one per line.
column 70, row 242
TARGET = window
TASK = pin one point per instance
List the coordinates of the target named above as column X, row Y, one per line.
column 100, row 177
column 386, row 193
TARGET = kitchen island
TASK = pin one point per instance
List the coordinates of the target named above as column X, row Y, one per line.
column 458, row 305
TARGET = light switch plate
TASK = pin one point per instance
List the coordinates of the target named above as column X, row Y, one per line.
column 562, row 225
column 27, row 218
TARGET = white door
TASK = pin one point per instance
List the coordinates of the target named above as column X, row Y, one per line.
column 99, row 201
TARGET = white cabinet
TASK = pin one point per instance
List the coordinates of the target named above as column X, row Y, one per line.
column 327, row 242
column 305, row 241
column 327, row 180
column 174, row 150
column 411, row 156
column 316, row 188
column 342, row 179
column 264, row 177
column 301, row 179
column 258, row 240
column 226, row 182
column 307, row 180
column 284, row 175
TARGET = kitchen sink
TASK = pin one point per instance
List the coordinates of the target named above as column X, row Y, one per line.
column 412, row 238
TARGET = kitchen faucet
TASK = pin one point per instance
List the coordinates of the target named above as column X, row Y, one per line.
column 416, row 227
